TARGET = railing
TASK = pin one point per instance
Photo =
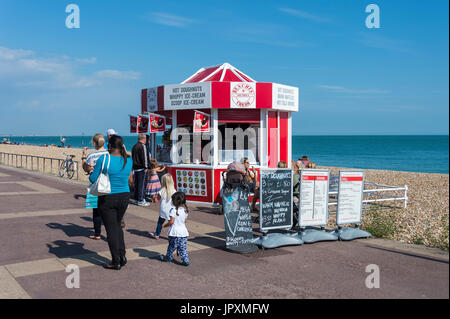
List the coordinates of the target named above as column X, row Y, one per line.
column 382, row 193
column 34, row 163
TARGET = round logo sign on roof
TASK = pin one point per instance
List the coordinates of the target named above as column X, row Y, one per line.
column 243, row 95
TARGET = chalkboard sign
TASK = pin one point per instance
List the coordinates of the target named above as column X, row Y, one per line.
column 275, row 199
column 237, row 217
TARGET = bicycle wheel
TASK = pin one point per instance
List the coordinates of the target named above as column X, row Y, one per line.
column 70, row 170
column 62, row 169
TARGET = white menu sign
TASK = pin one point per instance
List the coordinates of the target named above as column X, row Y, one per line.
column 313, row 208
column 187, row 96
column 152, row 99
column 350, row 197
column 284, row 97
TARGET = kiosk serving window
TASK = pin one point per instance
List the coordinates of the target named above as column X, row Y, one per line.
column 239, row 140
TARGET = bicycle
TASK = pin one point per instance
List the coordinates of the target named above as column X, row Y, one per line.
column 67, row 167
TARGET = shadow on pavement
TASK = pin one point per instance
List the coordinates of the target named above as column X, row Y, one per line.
column 409, row 254
column 72, row 230
column 70, row 249
column 147, row 253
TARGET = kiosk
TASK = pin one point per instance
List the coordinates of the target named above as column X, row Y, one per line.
column 233, row 103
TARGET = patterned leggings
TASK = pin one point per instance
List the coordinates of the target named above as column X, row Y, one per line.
column 180, row 244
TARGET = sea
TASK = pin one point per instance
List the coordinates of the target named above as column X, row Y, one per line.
column 412, row 153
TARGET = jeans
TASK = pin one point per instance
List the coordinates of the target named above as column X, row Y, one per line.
column 139, row 185
column 112, row 208
column 97, row 219
column 159, row 226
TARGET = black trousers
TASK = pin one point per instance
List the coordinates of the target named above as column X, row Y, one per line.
column 112, row 208
column 97, row 222
column 139, row 185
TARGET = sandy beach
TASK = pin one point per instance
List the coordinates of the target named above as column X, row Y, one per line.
column 424, row 221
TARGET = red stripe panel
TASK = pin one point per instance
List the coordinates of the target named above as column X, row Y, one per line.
column 220, row 92
column 272, row 138
column 238, row 116
column 284, row 136
column 160, row 98
column 314, row 178
column 352, row 179
column 231, row 77
column 263, row 95
column 143, row 100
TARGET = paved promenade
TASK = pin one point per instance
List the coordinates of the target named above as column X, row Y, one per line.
column 44, row 228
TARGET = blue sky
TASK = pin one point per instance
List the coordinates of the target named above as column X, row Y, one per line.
column 352, row 80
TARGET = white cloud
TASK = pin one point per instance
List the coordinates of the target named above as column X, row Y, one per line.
column 341, row 89
column 117, row 75
column 381, row 42
column 304, row 15
column 23, row 68
column 169, row 19
column 8, row 54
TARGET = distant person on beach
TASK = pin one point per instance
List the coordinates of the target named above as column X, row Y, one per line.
column 88, row 163
column 282, row 164
column 178, row 233
column 305, row 162
column 113, row 206
column 165, row 195
column 110, row 132
column 62, row 140
column 141, row 164
column 153, row 184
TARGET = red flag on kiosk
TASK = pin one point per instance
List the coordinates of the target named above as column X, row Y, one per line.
column 157, row 123
column 133, row 124
column 201, row 122
column 142, row 124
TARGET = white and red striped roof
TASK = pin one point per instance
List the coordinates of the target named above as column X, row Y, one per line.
column 221, row 86
column 220, row 73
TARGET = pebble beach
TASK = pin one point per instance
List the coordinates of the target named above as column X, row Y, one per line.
column 424, row 221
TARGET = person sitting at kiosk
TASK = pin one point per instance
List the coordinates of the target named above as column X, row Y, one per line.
column 250, row 176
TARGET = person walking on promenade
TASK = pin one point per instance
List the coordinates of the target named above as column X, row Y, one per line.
column 113, row 206
column 153, row 185
column 139, row 154
column 178, row 233
column 88, row 164
column 168, row 189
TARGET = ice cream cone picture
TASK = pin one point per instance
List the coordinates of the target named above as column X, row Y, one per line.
column 201, row 122
column 157, row 123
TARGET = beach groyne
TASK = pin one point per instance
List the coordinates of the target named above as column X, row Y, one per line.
column 424, row 221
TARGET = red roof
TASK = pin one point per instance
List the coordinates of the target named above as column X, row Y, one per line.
column 220, row 73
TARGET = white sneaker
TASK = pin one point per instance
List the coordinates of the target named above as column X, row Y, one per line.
column 143, row 203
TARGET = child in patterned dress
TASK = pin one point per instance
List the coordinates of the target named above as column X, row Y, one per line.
column 153, row 185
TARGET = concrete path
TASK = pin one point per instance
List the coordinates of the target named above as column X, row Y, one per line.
column 44, row 228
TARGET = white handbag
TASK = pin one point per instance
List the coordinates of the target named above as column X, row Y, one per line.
column 102, row 186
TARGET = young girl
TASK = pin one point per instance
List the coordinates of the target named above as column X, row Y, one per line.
column 178, row 233
column 168, row 189
column 153, row 185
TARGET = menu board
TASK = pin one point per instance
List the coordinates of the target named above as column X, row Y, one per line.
column 275, row 200
column 350, row 197
column 313, row 208
column 192, row 182
column 237, row 217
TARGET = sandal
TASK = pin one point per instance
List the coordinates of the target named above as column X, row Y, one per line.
column 94, row 237
column 164, row 258
column 154, row 236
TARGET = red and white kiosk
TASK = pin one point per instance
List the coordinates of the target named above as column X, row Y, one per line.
column 233, row 101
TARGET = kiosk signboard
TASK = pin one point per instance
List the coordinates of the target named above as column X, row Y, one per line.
column 350, row 197
column 238, row 221
column 275, row 210
column 313, row 208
